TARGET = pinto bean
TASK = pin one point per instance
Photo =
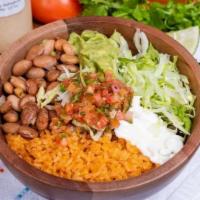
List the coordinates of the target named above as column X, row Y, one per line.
column 58, row 55
column 35, row 72
column 68, row 49
column 8, row 87
column 29, row 113
column 26, row 99
column 61, row 67
column 69, row 59
column 32, row 86
column 2, row 99
column 41, row 82
column 18, row 82
column 52, row 114
column 48, row 46
column 21, row 67
column 52, row 85
column 42, row 121
column 53, row 68
column 45, row 61
column 59, row 44
column 5, row 107
column 27, row 132
column 14, row 102
column 11, row 116
column 19, row 92
column 35, row 51
column 10, row 127
column 52, row 75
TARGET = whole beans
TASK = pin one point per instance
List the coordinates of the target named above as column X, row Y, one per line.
column 59, row 44
column 42, row 66
column 21, row 67
column 18, row 82
column 27, row 98
column 32, row 86
column 68, row 49
column 48, row 46
column 69, row 59
column 10, row 127
column 29, row 113
column 11, row 116
column 27, row 132
column 41, row 82
column 34, row 51
column 6, row 106
column 52, row 114
column 52, row 85
column 35, row 73
column 42, row 119
column 45, row 61
column 52, row 75
column 19, row 92
column 14, row 100
column 8, row 87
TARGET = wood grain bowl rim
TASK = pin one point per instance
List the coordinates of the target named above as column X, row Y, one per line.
column 152, row 176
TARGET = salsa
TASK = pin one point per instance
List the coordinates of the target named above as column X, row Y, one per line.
column 99, row 104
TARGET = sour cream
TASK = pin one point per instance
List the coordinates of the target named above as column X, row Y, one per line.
column 149, row 134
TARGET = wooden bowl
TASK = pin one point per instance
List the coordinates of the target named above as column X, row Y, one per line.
column 58, row 188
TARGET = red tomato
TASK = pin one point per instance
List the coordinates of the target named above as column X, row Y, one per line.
column 98, row 99
column 50, row 10
column 69, row 108
column 104, row 93
column 102, row 122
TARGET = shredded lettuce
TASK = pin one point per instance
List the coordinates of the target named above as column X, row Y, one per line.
column 124, row 50
column 66, row 75
column 152, row 75
column 64, row 97
column 156, row 78
column 43, row 98
column 95, row 136
column 40, row 95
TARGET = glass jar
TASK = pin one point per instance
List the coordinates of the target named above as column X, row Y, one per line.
column 15, row 21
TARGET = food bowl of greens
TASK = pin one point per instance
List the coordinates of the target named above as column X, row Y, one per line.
column 97, row 105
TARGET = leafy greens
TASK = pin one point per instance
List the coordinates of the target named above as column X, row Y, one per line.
column 169, row 17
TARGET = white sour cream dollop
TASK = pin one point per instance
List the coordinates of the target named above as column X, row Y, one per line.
column 149, row 134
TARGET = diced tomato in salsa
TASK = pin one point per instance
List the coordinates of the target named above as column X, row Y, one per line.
column 93, row 103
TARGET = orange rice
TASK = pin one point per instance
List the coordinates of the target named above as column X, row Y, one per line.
column 81, row 158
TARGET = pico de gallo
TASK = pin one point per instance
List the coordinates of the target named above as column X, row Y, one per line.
column 99, row 105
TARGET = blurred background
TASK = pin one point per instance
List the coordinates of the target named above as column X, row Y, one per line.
column 178, row 18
